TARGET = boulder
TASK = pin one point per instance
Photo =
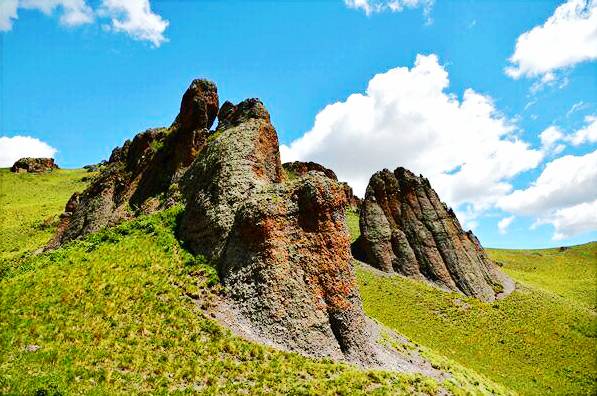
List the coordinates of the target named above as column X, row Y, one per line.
column 300, row 168
column 34, row 165
column 406, row 229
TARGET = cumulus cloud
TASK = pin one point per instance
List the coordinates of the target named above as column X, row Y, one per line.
column 72, row 12
column 372, row 6
column 465, row 147
column 568, row 37
column 564, row 195
column 133, row 17
column 550, row 138
column 588, row 134
column 504, row 223
column 572, row 220
column 8, row 13
column 13, row 148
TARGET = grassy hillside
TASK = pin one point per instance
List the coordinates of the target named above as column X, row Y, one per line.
column 540, row 340
column 570, row 273
column 30, row 206
column 115, row 314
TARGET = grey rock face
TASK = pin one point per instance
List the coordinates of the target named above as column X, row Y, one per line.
column 406, row 229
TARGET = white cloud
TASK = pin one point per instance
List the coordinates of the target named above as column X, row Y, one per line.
column 549, row 139
column 504, row 223
column 578, row 106
column 572, row 220
column 568, row 37
column 562, row 195
column 72, row 12
column 133, row 17
column 16, row 147
column 8, row 12
column 465, row 147
column 373, row 6
column 588, row 134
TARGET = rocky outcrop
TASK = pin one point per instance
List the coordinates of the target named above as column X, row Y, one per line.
column 299, row 168
column 34, row 165
column 281, row 246
column 141, row 175
column 406, row 229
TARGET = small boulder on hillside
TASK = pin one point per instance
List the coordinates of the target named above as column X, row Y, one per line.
column 34, row 165
column 406, row 229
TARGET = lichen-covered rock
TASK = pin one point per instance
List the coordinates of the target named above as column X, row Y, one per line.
column 406, row 229
column 34, row 165
column 281, row 246
column 300, row 168
column 288, row 265
column 139, row 175
column 242, row 155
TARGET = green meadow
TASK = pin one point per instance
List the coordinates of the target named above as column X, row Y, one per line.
column 540, row 340
column 116, row 313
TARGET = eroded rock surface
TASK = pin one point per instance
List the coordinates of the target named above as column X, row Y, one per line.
column 141, row 175
column 280, row 244
column 281, row 248
column 300, row 168
column 34, row 165
column 406, row 229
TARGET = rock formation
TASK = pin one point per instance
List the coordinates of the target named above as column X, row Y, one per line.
column 280, row 245
column 300, row 168
column 34, row 165
column 141, row 175
column 406, row 229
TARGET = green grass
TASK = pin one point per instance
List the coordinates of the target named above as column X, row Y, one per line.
column 113, row 314
column 352, row 221
column 31, row 204
column 570, row 273
column 540, row 340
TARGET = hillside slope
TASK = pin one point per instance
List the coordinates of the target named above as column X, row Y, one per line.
column 540, row 340
column 117, row 313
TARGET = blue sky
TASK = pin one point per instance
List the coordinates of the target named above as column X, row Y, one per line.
column 82, row 80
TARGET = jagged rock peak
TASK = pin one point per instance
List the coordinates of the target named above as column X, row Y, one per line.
column 199, row 106
column 405, row 228
column 142, row 175
column 231, row 114
column 280, row 245
column 34, row 165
